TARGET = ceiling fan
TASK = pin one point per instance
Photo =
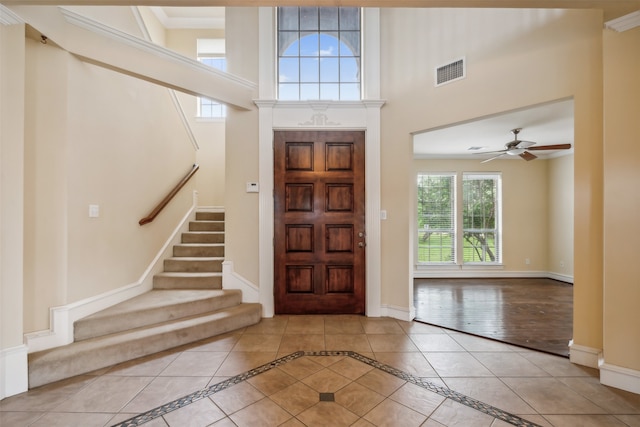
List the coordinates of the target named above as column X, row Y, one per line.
column 521, row 148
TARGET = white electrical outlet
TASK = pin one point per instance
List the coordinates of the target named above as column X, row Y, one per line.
column 527, row 261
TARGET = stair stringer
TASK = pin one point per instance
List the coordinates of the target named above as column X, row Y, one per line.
column 62, row 318
column 232, row 280
column 85, row 356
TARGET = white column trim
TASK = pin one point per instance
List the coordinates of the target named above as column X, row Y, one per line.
column 14, row 372
column 265, row 209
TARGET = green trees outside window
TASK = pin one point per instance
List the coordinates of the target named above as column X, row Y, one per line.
column 474, row 218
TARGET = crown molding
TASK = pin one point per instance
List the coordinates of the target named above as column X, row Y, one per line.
column 7, row 17
column 138, row 43
column 625, row 22
column 202, row 22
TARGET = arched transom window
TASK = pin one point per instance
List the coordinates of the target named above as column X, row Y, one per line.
column 319, row 53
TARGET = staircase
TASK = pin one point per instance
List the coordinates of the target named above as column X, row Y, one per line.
column 187, row 304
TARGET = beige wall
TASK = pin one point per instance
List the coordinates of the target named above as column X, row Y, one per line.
column 12, row 60
column 530, row 57
column 94, row 137
column 515, row 58
column 622, row 198
column 560, row 216
column 155, row 29
column 525, row 206
column 45, row 233
column 241, row 223
column 208, row 133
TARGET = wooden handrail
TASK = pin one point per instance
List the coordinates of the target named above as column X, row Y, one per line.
column 147, row 219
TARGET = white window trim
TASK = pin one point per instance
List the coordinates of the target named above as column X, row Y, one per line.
column 362, row 56
column 209, row 48
column 436, row 269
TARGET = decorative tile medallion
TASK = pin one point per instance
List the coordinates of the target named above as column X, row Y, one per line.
column 326, row 397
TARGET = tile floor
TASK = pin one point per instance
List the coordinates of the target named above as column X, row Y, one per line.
column 332, row 371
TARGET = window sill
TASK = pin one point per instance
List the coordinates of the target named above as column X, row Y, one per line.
column 460, row 267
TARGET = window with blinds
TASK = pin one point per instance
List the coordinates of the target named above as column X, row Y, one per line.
column 463, row 230
column 436, row 218
column 481, row 218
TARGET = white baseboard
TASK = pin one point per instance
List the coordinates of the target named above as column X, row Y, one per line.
column 400, row 313
column 560, row 277
column 470, row 273
column 585, row 356
column 619, row 377
column 14, row 374
column 62, row 317
column 232, row 280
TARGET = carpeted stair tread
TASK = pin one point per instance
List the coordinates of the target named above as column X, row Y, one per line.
column 206, row 225
column 187, row 304
column 187, row 280
column 193, row 264
column 199, row 249
column 203, row 237
column 210, row 216
column 190, row 274
column 155, row 306
column 195, row 258
column 89, row 355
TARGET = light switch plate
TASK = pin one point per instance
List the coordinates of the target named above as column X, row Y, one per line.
column 253, row 187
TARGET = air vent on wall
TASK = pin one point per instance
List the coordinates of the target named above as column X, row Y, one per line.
column 450, row 72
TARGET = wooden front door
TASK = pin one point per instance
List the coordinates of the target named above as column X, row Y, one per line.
column 319, row 225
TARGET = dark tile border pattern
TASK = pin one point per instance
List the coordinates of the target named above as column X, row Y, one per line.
column 419, row 381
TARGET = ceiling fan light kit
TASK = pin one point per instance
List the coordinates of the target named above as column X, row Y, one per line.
column 521, row 148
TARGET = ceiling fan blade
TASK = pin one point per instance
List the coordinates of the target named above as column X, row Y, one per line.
column 492, row 158
column 491, row 152
column 528, row 156
column 551, row 147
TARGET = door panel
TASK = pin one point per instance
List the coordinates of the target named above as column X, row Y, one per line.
column 319, row 222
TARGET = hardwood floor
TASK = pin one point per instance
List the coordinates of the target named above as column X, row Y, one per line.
column 531, row 313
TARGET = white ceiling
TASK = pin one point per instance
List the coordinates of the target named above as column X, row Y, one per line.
column 545, row 124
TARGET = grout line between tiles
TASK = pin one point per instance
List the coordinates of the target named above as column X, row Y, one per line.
column 419, row 381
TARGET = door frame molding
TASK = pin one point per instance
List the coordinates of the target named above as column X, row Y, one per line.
column 320, row 115
column 364, row 115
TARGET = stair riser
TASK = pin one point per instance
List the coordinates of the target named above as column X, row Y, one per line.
column 206, row 226
column 164, row 282
column 198, row 251
column 180, row 265
column 92, row 328
column 203, row 237
column 53, row 365
column 210, row 216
